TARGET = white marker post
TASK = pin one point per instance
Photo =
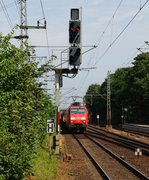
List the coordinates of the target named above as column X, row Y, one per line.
column 50, row 126
column 50, row 130
column 138, row 152
column 98, row 119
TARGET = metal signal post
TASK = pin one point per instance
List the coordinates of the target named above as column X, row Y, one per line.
column 23, row 23
column 75, row 38
column 108, row 102
column 74, row 31
column 74, row 56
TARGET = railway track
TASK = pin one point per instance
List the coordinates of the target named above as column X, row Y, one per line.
column 93, row 160
column 136, row 133
column 109, row 165
column 118, row 139
column 136, row 128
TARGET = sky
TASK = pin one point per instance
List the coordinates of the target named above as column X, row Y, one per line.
column 108, row 24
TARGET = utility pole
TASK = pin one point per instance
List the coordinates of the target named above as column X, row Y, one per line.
column 23, row 24
column 108, row 102
column 57, row 101
column 23, row 18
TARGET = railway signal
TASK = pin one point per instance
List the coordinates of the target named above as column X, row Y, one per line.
column 74, row 13
column 75, row 56
column 75, row 38
column 74, row 31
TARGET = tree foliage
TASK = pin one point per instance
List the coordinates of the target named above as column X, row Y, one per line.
column 138, row 87
column 129, row 92
column 93, row 99
column 24, row 109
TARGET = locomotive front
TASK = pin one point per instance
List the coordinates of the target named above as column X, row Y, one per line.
column 77, row 118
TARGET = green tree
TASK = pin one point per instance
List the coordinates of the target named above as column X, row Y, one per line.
column 93, row 100
column 24, row 109
column 129, row 93
column 119, row 94
column 138, row 88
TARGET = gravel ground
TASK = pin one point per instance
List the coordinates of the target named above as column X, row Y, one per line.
column 74, row 165
column 140, row 162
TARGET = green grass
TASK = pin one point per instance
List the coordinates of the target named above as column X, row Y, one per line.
column 44, row 167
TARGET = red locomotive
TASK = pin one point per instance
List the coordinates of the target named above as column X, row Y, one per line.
column 76, row 118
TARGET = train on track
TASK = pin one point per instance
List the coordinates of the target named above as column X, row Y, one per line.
column 75, row 118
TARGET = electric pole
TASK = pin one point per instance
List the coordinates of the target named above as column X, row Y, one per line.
column 108, row 102
column 23, row 24
column 23, row 18
column 57, row 103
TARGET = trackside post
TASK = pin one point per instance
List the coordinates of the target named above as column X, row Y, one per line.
column 50, row 130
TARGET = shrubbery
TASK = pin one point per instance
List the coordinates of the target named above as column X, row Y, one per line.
column 24, row 109
column 129, row 94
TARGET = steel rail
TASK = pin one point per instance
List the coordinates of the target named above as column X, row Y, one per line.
column 136, row 128
column 123, row 162
column 124, row 141
column 118, row 135
column 144, row 145
column 94, row 162
column 123, row 144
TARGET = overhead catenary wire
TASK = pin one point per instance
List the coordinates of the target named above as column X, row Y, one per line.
column 16, row 4
column 8, row 6
column 47, row 40
column 140, row 8
column 46, row 35
column 85, row 76
column 109, row 22
column 4, row 8
column 42, row 8
column 117, row 37
column 133, row 55
column 6, row 14
column 98, row 43
column 104, row 31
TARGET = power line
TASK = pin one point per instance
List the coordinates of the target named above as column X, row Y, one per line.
column 98, row 43
column 42, row 8
column 47, row 40
column 111, row 44
column 16, row 4
column 8, row 6
column 140, row 8
column 109, row 22
column 6, row 14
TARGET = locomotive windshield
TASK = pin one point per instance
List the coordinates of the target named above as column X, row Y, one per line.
column 77, row 111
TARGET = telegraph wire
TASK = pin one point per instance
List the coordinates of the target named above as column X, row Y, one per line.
column 82, row 82
column 98, row 43
column 6, row 14
column 46, row 34
column 47, row 40
column 8, row 6
column 109, row 22
column 140, row 8
column 139, row 3
column 120, row 33
column 17, row 7
column 111, row 19
column 42, row 8
column 129, row 62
